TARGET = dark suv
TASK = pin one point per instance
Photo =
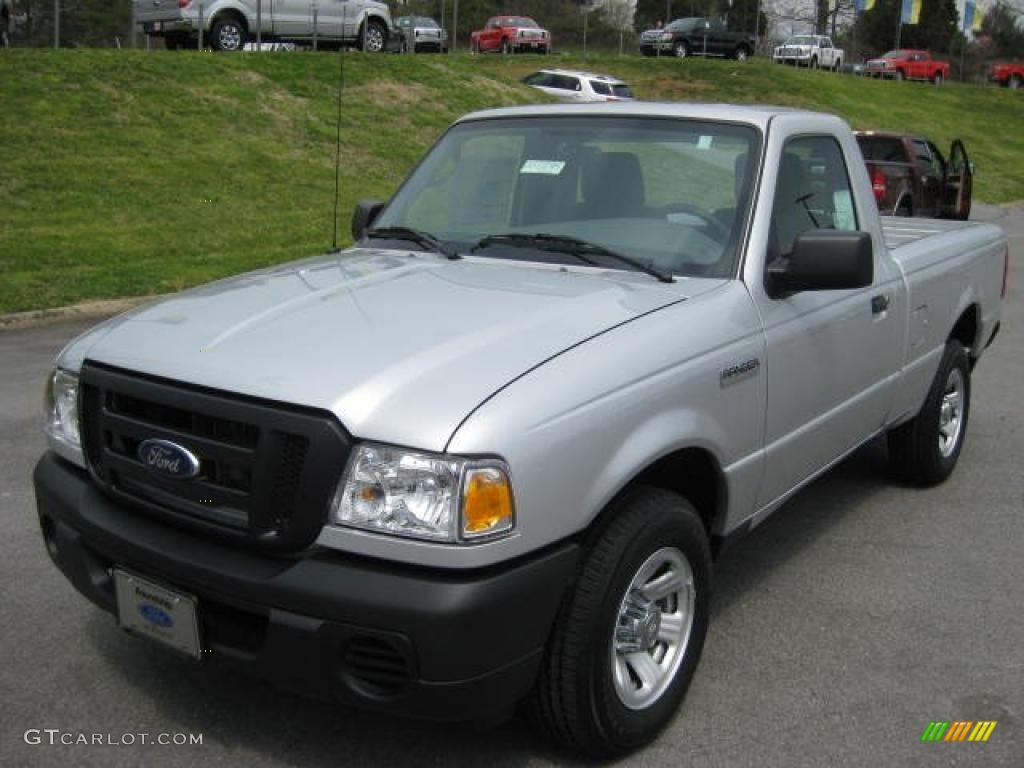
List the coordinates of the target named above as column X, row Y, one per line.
column 696, row 36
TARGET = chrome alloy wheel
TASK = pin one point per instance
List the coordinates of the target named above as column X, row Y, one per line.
column 229, row 37
column 653, row 628
column 951, row 413
column 373, row 39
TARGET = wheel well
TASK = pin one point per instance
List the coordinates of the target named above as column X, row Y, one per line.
column 230, row 14
column 694, row 474
column 966, row 329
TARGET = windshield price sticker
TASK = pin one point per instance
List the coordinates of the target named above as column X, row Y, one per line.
column 704, row 142
column 544, row 167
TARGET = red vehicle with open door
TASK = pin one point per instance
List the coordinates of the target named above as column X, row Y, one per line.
column 509, row 34
column 911, row 177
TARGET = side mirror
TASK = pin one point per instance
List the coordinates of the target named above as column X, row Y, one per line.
column 364, row 215
column 823, row 260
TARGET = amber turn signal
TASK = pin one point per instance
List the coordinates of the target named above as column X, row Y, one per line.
column 487, row 502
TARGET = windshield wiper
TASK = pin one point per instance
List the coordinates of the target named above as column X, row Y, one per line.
column 418, row 236
column 573, row 246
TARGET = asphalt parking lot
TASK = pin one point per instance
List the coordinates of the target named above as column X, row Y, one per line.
column 841, row 627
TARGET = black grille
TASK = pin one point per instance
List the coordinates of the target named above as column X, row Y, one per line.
column 266, row 471
column 376, row 667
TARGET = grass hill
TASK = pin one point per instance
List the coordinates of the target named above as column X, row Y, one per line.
column 131, row 172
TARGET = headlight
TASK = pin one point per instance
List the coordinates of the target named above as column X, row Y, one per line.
column 424, row 496
column 61, row 416
column 666, row 35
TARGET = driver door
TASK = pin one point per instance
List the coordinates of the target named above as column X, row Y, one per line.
column 958, row 183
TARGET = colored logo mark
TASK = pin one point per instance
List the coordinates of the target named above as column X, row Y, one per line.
column 958, row 730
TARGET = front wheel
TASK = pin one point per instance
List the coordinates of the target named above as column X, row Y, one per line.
column 628, row 638
column 814, row 62
column 227, row 34
column 681, row 50
column 938, row 79
column 742, row 54
column 375, row 37
column 925, row 449
column 1015, row 82
column 506, row 46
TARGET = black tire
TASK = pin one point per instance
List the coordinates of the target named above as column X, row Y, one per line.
column 916, row 450
column 742, row 53
column 374, row 37
column 899, row 74
column 228, row 34
column 905, row 210
column 681, row 50
column 837, row 65
column 938, row 79
column 506, row 46
column 5, row 31
column 576, row 701
column 1015, row 82
column 814, row 62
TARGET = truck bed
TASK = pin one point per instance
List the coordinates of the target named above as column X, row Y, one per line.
column 900, row 231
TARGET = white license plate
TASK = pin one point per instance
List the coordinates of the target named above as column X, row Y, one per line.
column 154, row 611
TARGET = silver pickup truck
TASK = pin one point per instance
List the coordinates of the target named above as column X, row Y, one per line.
column 489, row 454
column 229, row 24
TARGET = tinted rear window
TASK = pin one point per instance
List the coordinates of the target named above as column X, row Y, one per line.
column 600, row 87
column 882, row 149
column 623, row 91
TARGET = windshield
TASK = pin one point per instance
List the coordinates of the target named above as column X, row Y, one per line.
column 681, row 24
column 895, row 55
column 800, row 40
column 426, row 23
column 518, row 21
column 669, row 193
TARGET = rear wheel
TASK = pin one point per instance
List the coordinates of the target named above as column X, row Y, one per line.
column 227, row 34
column 374, row 38
column 1015, row 82
column 742, row 54
column 506, row 46
column 681, row 50
column 899, row 74
column 629, row 636
column 5, row 31
column 938, row 79
column 905, row 209
column 925, row 450
column 814, row 62
column 837, row 65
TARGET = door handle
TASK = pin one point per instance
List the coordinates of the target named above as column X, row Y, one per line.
column 879, row 304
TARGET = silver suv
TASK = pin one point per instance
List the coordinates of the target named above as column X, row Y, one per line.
column 229, row 24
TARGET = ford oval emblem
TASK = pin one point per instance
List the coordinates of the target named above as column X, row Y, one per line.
column 168, row 459
column 155, row 615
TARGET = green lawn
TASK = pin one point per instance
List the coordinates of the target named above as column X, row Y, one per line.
column 127, row 172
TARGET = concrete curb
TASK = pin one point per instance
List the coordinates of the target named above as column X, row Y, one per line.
column 87, row 310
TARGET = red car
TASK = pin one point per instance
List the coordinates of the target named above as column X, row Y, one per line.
column 906, row 64
column 1010, row 74
column 509, row 34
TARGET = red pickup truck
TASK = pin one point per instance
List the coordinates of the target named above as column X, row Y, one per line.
column 1008, row 73
column 907, row 64
column 509, row 34
column 910, row 177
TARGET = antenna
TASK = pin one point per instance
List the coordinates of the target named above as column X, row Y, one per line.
column 337, row 140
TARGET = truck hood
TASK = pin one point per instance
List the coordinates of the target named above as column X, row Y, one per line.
column 401, row 347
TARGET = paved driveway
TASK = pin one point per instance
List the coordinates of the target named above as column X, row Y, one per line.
column 841, row 627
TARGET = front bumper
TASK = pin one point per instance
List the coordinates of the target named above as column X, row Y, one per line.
column 423, row 643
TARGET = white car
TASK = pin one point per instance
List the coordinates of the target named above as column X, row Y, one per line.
column 814, row 51
column 569, row 85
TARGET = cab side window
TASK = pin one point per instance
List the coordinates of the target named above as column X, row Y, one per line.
column 812, row 192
